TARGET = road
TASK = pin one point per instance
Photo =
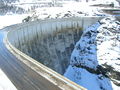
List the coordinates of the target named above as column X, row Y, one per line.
column 21, row 75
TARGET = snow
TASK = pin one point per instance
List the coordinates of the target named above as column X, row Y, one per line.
column 85, row 58
column 110, row 51
column 5, row 83
column 99, row 44
column 11, row 19
column 65, row 9
column 116, row 4
column 79, row 9
column 26, row 1
column 114, row 86
column 87, row 80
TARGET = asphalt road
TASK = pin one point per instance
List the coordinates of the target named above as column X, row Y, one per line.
column 23, row 77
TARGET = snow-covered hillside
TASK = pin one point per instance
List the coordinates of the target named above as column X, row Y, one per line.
column 95, row 60
column 23, row 6
column 66, row 11
column 71, row 9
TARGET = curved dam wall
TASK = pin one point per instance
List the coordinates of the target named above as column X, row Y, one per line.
column 50, row 41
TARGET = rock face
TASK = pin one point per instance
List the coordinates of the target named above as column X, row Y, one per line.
column 95, row 60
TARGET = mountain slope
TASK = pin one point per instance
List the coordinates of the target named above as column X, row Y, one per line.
column 95, row 58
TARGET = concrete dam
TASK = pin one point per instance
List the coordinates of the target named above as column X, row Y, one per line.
column 42, row 43
column 50, row 42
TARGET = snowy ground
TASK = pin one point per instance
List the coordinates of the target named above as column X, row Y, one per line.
column 96, row 56
column 79, row 9
column 11, row 19
column 5, row 83
column 71, row 9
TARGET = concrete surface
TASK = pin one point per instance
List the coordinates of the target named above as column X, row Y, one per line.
column 50, row 41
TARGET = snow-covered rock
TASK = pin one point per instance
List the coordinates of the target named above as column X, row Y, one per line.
column 115, row 2
column 95, row 60
column 66, row 12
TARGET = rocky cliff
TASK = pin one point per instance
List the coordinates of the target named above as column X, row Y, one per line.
column 95, row 60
